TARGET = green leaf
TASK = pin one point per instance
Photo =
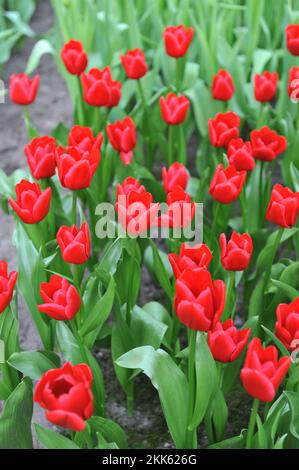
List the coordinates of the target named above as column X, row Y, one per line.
column 15, row 421
column 293, row 400
column 288, row 290
column 41, row 48
column 261, row 434
column 145, row 329
column 170, row 382
column 53, row 440
column 236, row 442
column 159, row 269
column 110, row 430
column 34, row 363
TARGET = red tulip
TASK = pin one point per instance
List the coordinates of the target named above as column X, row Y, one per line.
column 136, row 211
column 236, row 254
column 267, row 144
column 265, row 86
column 100, row 89
column 227, row 184
column 263, row 372
column 74, row 57
column 223, row 128
column 239, row 154
column 223, row 86
column 134, row 64
column 176, row 175
column 287, row 325
column 66, row 395
column 7, row 284
column 128, row 185
column 177, row 40
column 122, row 137
column 283, row 207
column 190, row 257
column 174, row 109
column 32, row 205
column 180, row 210
column 78, row 164
column 226, row 342
column 292, row 38
column 74, row 243
column 293, row 84
column 199, row 301
column 22, row 89
column 41, row 157
column 61, row 299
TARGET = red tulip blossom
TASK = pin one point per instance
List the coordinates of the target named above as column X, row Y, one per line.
column 293, row 84
column 223, row 128
column 267, row 144
column 176, row 175
column 122, row 137
column 74, row 243
column 134, row 64
column 136, row 211
column 65, row 394
column 99, row 89
column 236, row 254
column 32, row 205
column 177, row 40
column 199, row 301
column 265, row 86
column 128, row 185
column 61, row 299
column 239, row 154
column 262, row 372
column 41, row 157
column 180, row 209
column 227, row 184
column 226, row 342
column 74, row 57
column 190, row 257
column 174, row 109
column 83, row 138
column 22, row 89
column 292, row 38
column 283, row 207
column 7, row 284
column 287, row 325
column 223, row 88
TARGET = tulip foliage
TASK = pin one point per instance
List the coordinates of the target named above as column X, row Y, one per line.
column 186, row 130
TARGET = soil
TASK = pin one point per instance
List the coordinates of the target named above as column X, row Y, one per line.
column 146, row 429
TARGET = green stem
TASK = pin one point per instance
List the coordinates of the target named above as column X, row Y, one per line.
column 215, row 222
column 81, row 116
column 141, row 94
column 228, row 313
column 79, row 341
column 130, row 398
column 244, row 208
column 74, row 208
column 261, row 194
column 251, row 425
column 170, row 145
column 191, row 433
column 130, row 283
column 177, row 75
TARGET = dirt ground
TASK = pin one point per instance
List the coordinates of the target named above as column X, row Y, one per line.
column 146, row 429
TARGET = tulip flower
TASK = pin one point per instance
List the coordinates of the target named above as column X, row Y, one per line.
column 7, row 284
column 32, row 205
column 262, row 372
column 61, row 299
column 223, row 128
column 293, row 84
column 265, row 86
column 283, row 207
column 74, row 57
column 180, row 210
column 190, row 257
column 122, row 137
column 177, row 40
column 236, row 254
column 174, row 109
column 136, row 211
column 74, row 243
column 100, row 89
column 176, row 175
column 41, row 157
column 22, row 89
column 227, row 184
column 134, row 64
column 239, row 154
column 267, row 144
column 292, row 38
column 65, row 394
column 226, row 342
column 84, row 140
column 287, row 325
column 223, row 87
column 199, row 301
column 128, row 185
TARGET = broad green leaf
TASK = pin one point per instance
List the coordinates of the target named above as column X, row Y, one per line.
column 53, row 440
column 110, row 430
column 34, row 363
column 42, row 47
